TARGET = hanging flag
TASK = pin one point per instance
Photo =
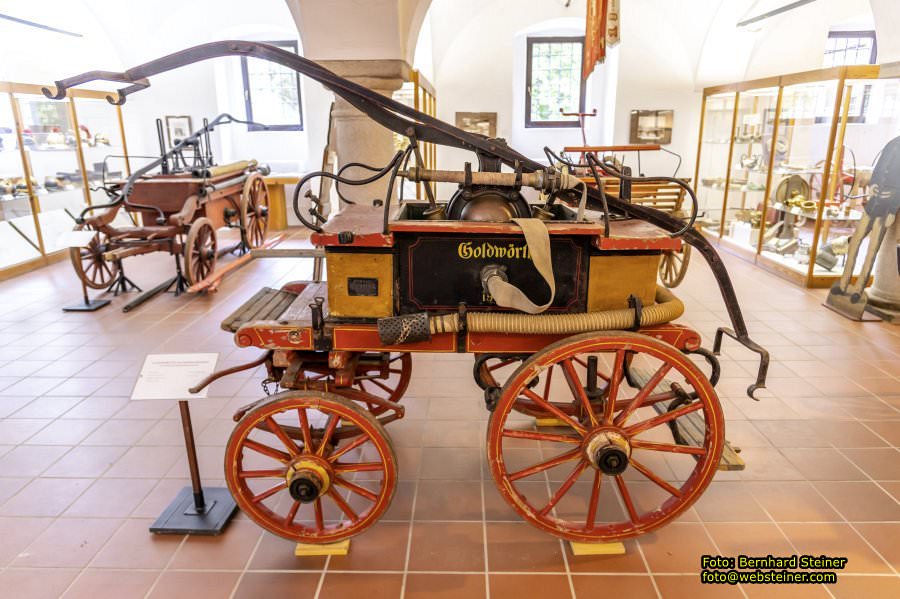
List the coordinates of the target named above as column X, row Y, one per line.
column 601, row 31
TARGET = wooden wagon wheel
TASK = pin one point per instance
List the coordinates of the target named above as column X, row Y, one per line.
column 614, row 437
column 326, row 485
column 374, row 377
column 673, row 266
column 200, row 251
column 91, row 267
column 254, row 211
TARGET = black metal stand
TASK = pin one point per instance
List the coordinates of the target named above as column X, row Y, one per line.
column 122, row 284
column 179, row 281
column 88, row 305
column 195, row 510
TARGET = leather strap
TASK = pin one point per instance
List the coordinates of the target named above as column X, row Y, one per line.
column 537, row 239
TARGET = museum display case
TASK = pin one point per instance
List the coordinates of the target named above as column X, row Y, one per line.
column 712, row 162
column 19, row 241
column 53, row 158
column 791, row 172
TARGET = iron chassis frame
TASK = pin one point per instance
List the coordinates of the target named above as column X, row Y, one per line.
column 419, row 126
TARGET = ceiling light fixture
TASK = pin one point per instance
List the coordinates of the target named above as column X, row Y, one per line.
column 38, row 25
column 772, row 13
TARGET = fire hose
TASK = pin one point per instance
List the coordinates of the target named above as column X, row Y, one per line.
column 411, row 328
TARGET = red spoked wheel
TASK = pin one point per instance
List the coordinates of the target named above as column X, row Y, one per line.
column 384, row 375
column 613, row 470
column 311, row 466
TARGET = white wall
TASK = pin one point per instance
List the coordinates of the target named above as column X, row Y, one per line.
column 119, row 35
column 478, row 52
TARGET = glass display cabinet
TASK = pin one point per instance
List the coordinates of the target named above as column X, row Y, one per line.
column 51, row 154
column 19, row 241
column 711, row 174
column 799, row 155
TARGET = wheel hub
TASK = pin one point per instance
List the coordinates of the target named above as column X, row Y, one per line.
column 608, row 451
column 307, row 480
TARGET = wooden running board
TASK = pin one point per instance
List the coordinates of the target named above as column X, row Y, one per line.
column 266, row 304
column 691, row 426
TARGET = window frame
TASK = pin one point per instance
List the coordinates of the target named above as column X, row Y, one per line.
column 292, row 46
column 557, row 39
column 867, row 89
column 870, row 33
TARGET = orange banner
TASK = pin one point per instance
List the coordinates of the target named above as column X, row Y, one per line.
column 601, row 31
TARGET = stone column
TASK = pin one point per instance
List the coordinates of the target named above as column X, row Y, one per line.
column 357, row 137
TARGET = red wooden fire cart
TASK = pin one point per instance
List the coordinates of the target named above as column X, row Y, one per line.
column 549, row 283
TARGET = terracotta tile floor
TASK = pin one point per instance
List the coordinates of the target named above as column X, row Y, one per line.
column 83, row 471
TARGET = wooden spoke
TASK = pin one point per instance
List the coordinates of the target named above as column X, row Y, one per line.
column 320, row 519
column 626, row 498
column 636, row 429
column 269, row 492
column 359, row 467
column 595, row 499
column 304, row 428
column 267, row 451
column 261, row 474
column 343, row 505
column 615, row 381
column 688, row 449
column 500, row 364
column 361, row 439
column 292, row 513
column 333, row 421
column 642, row 394
column 578, row 391
column 539, row 436
column 546, row 405
column 356, row 488
column 652, row 476
column 560, row 459
column 276, row 430
column 564, row 488
column 380, row 385
column 547, row 383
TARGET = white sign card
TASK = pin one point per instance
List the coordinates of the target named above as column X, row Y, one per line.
column 75, row 239
column 169, row 376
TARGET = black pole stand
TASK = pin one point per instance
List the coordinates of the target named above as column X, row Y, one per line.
column 195, row 510
column 122, row 284
column 89, row 305
column 179, row 281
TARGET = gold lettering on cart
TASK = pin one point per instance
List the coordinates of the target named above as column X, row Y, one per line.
column 468, row 251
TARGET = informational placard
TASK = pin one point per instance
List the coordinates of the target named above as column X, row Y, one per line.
column 169, row 376
column 75, row 239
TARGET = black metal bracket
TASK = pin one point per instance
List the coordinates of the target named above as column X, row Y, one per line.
column 635, row 303
column 752, row 346
column 712, row 360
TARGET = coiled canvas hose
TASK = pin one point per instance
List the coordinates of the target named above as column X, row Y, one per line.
column 419, row 327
